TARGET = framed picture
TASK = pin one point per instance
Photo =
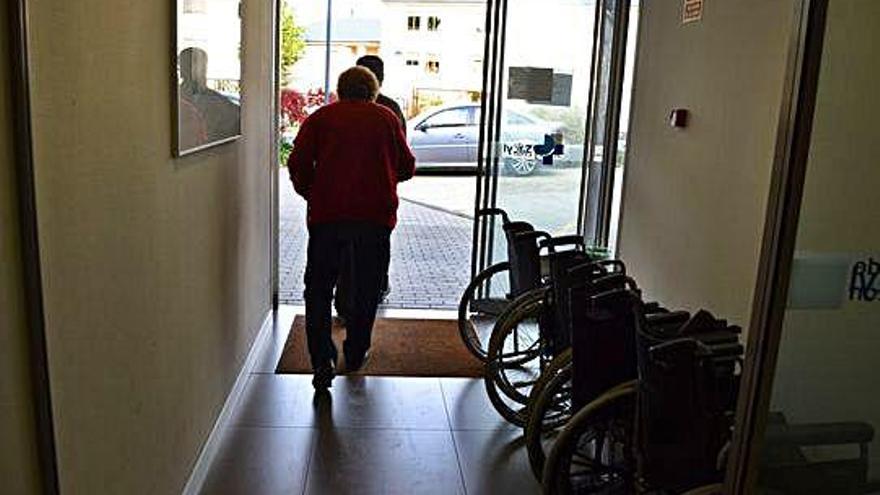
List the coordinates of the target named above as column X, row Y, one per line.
column 207, row 78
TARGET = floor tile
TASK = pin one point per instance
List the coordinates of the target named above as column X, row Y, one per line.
column 468, row 406
column 355, row 402
column 271, row 351
column 381, row 462
column 495, row 462
column 271, row 400
column 261, row 461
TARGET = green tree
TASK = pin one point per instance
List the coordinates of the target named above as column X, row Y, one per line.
column 292, row 43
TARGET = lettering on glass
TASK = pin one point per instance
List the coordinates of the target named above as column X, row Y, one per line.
column 863, row 282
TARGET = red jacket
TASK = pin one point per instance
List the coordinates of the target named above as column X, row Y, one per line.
column 346, row 162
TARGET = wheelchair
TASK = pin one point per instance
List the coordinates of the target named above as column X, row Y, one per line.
column 481, row 304
column 606, row 351
column 530, row 341
column 662, row 432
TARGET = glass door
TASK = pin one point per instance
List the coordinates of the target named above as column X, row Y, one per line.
column 549, row 118
column 810, row 409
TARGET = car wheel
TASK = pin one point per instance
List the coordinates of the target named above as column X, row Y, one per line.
column 520, row 166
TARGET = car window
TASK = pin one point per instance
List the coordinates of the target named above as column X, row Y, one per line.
column 516, row 119
column 510, row 118
column 451, row 117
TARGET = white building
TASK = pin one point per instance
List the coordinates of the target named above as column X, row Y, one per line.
column 433, row 49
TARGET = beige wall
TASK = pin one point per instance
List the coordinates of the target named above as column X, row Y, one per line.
column 18, row 462
column 156, row 270
column 828, row 357
column 694, row 200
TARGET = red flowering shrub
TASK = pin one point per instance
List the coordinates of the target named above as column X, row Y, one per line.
column 296, row 106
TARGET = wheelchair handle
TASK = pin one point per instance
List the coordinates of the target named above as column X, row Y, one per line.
column 592, row 266
column 494, row 211
column 564, row 240
column 602, row 282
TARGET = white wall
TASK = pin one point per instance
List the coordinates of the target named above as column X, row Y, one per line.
column 694, row 200
column 156, row 270
column 828, row 357
column 18, row 461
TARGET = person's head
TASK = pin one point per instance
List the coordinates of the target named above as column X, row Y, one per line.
column 357, row 84
column 375, row 64
column 194, row 68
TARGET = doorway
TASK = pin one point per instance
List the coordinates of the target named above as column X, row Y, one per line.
column 482, row 108
column 432, row 53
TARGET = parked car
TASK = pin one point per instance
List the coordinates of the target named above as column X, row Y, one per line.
column 447, row 138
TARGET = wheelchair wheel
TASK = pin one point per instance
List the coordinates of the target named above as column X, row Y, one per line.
column 549, row 409
column 516, row 356
column 594, row 452
column 478, row 311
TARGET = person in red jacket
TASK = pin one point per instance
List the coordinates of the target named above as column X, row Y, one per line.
column 346, row 162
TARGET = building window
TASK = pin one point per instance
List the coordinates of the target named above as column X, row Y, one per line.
column 195, row 6
column 414, row 23
column 432, row 66
column 433, row 23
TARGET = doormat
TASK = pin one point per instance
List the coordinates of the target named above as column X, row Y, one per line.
column 400, row 347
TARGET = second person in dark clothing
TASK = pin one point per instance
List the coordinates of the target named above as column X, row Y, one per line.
column 377, row 67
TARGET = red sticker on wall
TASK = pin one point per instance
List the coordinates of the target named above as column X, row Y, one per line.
column 692, row 11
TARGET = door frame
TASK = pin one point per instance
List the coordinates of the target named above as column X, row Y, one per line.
column 19, row 59
column 594, row 212
column 780, row 234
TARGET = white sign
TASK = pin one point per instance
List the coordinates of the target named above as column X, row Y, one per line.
column 692, row 11
column 833, row 280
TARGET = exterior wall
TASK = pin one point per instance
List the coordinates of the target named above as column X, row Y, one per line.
column 19, row 468
column 695, row 198
column 156, row 270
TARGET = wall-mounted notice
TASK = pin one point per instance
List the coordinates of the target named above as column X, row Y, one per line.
column 530, row 84
column 833, row 280
column 692, row 11
column 561, row 90
column 539, row 86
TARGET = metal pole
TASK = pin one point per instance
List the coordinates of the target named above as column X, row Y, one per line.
column 327, row 52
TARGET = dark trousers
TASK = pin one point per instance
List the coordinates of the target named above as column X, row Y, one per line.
column 341, row 300
column 367, row 249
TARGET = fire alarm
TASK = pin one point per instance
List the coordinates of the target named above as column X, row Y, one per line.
column 678, row 118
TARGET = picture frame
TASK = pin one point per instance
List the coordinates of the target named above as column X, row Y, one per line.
column 206, row 75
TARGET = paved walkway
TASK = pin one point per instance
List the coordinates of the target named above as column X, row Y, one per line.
column 430, row 255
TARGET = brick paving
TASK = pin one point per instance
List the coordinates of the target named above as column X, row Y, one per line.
column 430, row 255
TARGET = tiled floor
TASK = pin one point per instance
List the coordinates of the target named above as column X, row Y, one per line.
column 371, row 435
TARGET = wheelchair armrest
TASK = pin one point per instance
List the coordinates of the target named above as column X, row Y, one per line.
column 532, row 234
column 564, row 240
column 670, row 318
column 654, row 308
column 844, row 433
column 727, row 351
column 615, row 266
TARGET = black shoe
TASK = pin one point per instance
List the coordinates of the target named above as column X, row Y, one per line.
column 324, row 376
column 352, row 365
